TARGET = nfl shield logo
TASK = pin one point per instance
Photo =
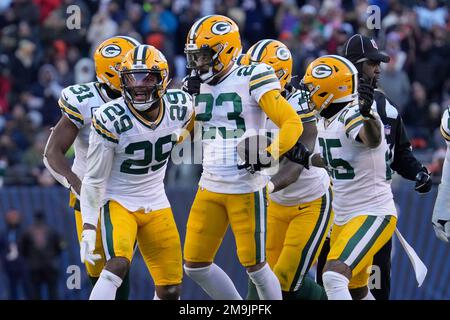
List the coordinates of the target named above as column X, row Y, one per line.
column 374, row 44
column 387, row 130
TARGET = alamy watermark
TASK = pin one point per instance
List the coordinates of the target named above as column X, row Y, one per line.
column 374, row 282
column 73, row 21
column 221, row 147
column 74, row 277
column 373, row 20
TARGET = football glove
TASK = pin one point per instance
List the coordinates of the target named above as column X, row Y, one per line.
column 423, row 181
column 191, row 84
column 366, row 95
column 299, row 154
column 87, row 246
column 252, row 154
column 260, row 162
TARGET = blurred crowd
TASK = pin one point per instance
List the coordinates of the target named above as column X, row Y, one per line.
column 29, row 257
column 41, row 52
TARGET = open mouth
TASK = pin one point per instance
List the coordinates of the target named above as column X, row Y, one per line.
column 140, row 95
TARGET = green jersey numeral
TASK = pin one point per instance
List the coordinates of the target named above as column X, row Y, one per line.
column 340, row 169
column 129, row 165
column 235, row 115
column 122, row 124
column 82, row 92
column 388, row 166
column 245, row 71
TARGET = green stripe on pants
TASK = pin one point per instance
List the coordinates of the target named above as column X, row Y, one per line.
column 108, row 230
column 354, row 240
column 369, row 244
column 303, row 258
column 260, row 226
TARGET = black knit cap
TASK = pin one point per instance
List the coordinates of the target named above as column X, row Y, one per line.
column 360, row 48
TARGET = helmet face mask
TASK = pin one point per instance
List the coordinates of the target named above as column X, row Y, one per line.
column 201, row 61
column 141, row 87
column 144, row 77
column 305, row 94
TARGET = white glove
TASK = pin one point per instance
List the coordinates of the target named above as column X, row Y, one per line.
column 441, row 213
column 87, row 246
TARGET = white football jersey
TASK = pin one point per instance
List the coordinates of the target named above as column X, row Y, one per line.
column 311, row 184
column 361, row 176
column 78, row 103
column 445, row 124
column 141, row 150
column 225, row 112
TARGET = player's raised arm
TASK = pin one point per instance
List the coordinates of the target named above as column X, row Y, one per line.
column 370, row 132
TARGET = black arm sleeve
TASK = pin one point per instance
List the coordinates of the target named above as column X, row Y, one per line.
column 405, row 164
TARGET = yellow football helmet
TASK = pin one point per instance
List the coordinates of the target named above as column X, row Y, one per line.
column 144, row 76
column 242, row 60
column 331, row 79
column 275, row 54
column 108, row 56
column 212, row 46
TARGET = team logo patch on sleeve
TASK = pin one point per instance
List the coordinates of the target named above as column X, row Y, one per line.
column 221, row 28
column 321, row 71
column 374, row 44
column 111, row 51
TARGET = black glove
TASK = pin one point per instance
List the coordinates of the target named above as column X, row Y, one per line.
column 258, row 164
column 366, row 89
column 423, row 181
column 191, row 84
column 299, row 154
column 252, row 154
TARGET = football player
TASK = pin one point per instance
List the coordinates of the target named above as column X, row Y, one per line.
column 231, row 101
column 441, row 212
column 299, row 213
column 354, row 151
column 129, row 147
column 78, row 103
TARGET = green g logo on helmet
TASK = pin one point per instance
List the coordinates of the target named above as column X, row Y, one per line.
column 321, row 71
column 111, row 51
column 283, row 54
column 221, row 28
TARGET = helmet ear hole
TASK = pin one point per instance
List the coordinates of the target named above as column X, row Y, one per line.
column 323, row 94
column 109, row 74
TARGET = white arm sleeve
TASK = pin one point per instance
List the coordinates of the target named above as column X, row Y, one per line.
column 442, row 205
column 99, row 162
